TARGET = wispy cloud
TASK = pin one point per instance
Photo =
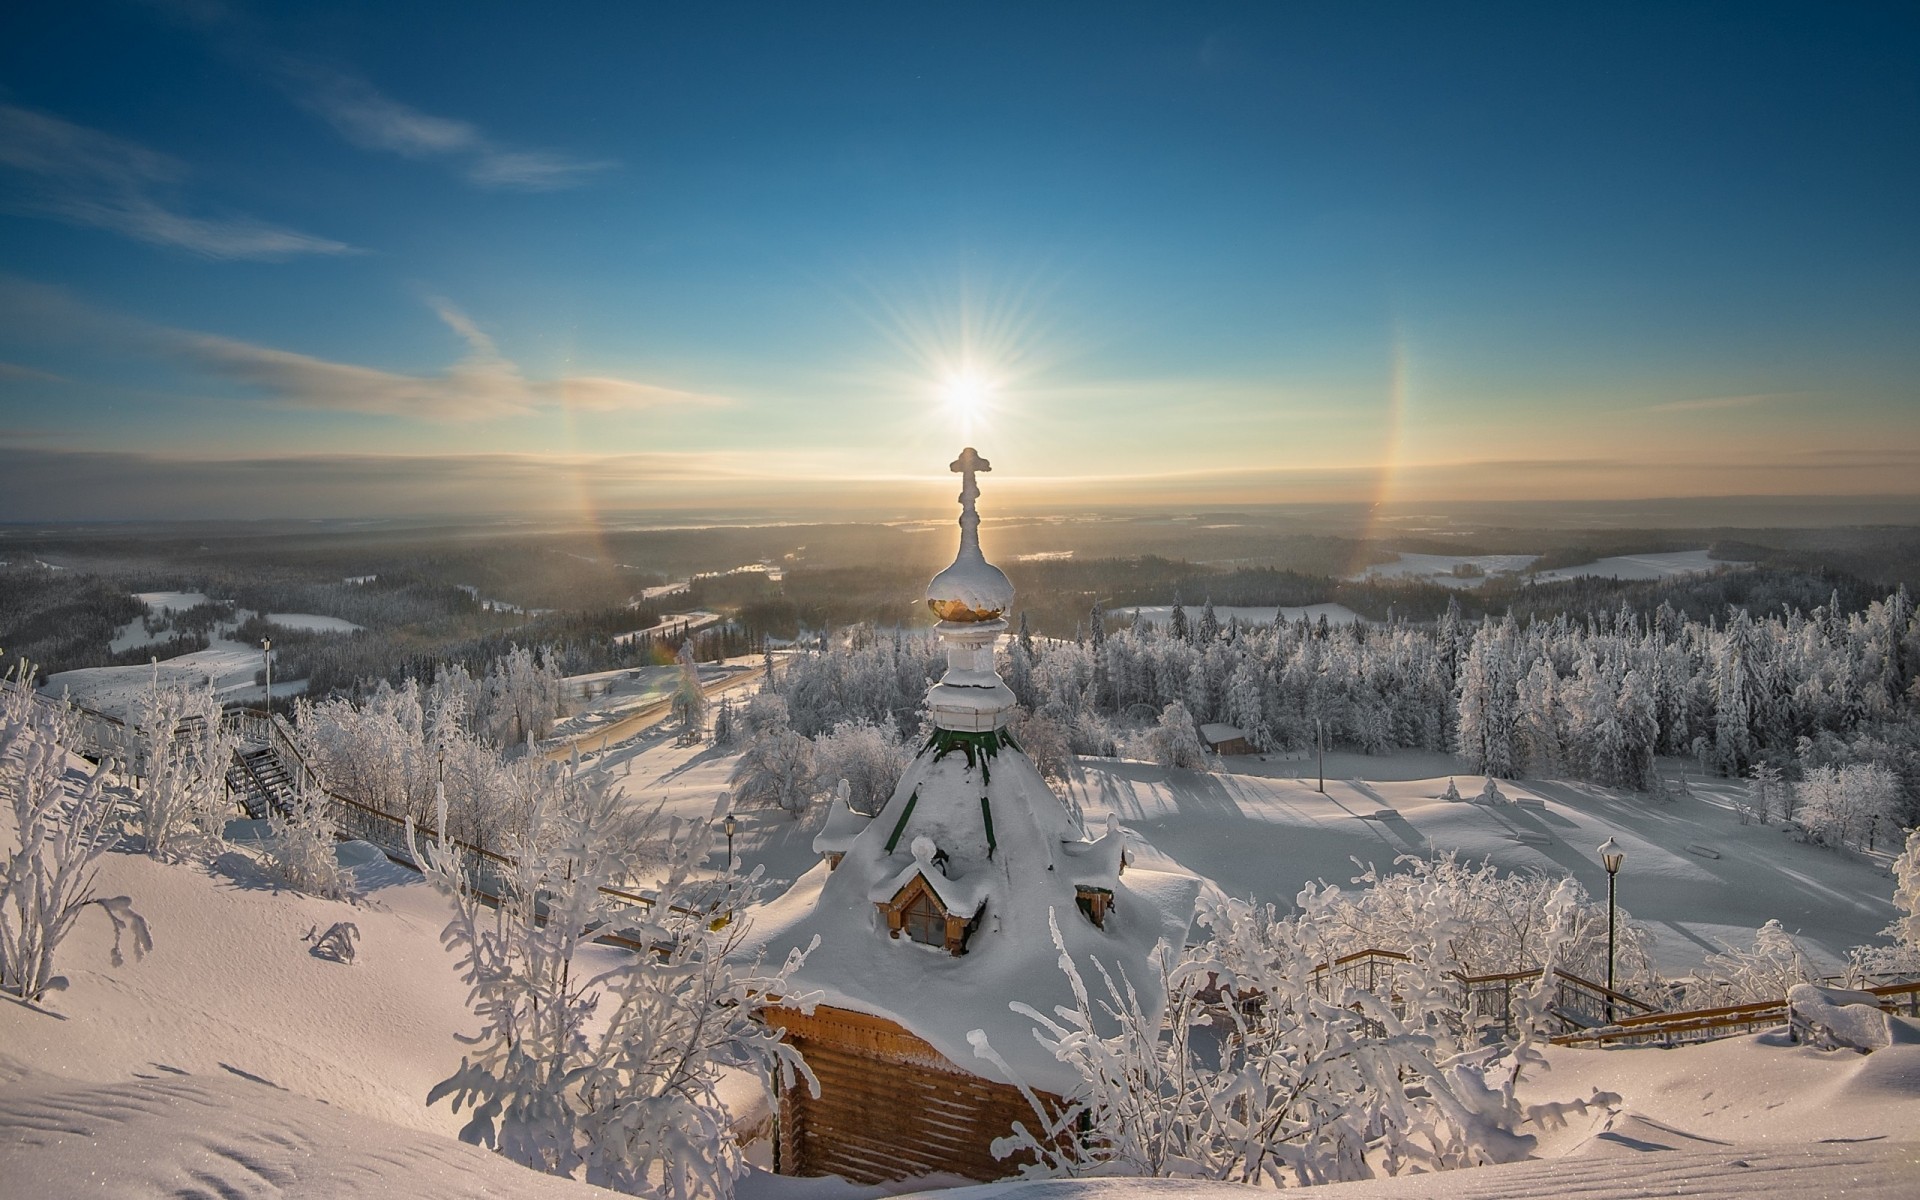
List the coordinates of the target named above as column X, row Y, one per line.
column 1718, row 403
column 82, row 176
column 372, row 120
column 483, row 385
column 16, row 371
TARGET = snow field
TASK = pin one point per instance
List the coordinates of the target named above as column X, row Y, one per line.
column 1641, row 566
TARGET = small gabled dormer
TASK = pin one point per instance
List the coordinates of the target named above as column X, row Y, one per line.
column 1095, row 902
column 925, row 905
column 918, row 912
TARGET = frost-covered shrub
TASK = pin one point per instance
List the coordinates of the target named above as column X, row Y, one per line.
column 869, row 758
column 607, row 1073
column 1872, row 964
column 1480, row 920
column 59, row 829
column 301, row 845
column 180, row 801
column 1258, row 1075
column 394, row 750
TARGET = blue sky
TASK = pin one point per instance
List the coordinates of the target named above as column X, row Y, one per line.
column 491, row 257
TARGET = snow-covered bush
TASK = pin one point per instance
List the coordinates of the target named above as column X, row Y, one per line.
column 1259, row 1075
column 301, row 846
column 180, row 798
column 607, row 1073
column 869, row 758
column 1475, row 919
column 1742, row 975
column 60, row 825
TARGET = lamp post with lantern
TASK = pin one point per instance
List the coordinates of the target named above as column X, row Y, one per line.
column 1611, row 856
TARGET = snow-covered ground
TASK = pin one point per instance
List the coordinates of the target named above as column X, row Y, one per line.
column 231, row 1062
column 170, row 601
column 228, row 666
column 312, row 623
column 1259, row 829
column 1160, row 614
column 1640, row 566
column 1439, row 568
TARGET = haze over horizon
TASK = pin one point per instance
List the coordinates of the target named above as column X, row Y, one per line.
column 403, row 260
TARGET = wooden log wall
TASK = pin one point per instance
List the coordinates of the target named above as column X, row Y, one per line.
column 890, row 1105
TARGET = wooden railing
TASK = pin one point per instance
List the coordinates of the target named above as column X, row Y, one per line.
column 1707, row 1024
column 1487, row 1000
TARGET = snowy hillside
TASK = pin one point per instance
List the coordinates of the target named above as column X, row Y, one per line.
column 1259, row 829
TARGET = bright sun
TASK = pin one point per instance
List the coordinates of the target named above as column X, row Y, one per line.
column 966, row 395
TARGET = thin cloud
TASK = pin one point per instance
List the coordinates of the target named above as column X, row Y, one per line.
column 70, row 173
column 1720, row 403
column 372, row 120
column 484, row 385
column 16, row 371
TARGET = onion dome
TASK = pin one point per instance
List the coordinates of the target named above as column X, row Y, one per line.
column 972, row 590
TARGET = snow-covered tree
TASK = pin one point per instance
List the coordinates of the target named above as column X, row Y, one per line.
column 1847, row 806
column 725, row 729
column 1046, row 741
column 689, row 699
column 180, row 796
column 1488, row 699
column 522, row 696
column 776, row 768
column 869, row 758
column 62, row 821
column 1176, row 740
column 1768, row 798
column 607, row 1073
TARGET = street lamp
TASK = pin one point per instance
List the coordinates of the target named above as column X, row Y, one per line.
column 1320, row 739
column 730, row 824
column 266, row 652
column 1611, row 856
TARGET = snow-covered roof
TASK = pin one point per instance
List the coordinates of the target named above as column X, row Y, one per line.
column 1014, row 857
column 1213, row 733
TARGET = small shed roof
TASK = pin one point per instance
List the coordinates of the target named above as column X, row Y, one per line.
column 1213, row 733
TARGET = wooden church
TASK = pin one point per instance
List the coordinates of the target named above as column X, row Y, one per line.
column 938, row 911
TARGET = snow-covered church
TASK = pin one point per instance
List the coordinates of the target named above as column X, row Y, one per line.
column 936, row 913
